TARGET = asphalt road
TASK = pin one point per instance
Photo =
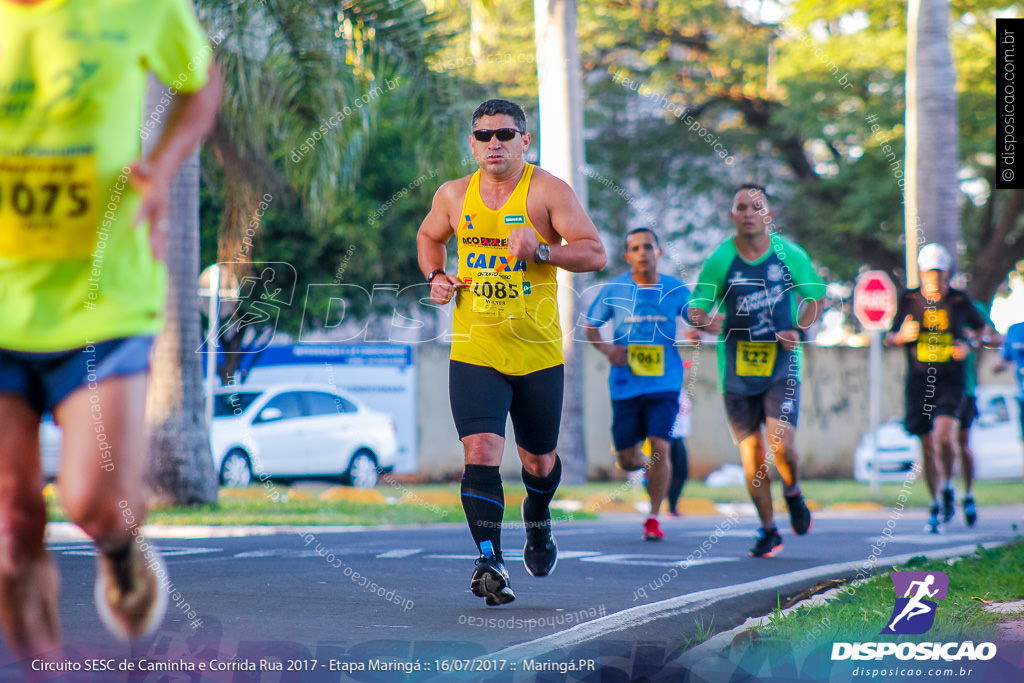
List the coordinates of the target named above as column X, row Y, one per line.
column 326, row 603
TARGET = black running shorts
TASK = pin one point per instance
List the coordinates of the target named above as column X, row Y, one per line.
column 746, row 414
column 482, row 398
column 968, row 411
column 926, row 397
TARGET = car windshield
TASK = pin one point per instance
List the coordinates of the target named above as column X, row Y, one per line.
column 233, row 405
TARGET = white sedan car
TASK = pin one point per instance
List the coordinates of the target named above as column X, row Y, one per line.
column 995, row 440
column 293, row 431
column 288, row 431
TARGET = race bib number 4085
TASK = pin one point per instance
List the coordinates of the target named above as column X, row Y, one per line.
column 48, row 207
column 498, row 294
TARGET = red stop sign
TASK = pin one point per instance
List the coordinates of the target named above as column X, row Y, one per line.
column 874, row 300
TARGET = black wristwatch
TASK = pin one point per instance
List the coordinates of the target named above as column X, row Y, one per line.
column 434, row 273
column 543, row 253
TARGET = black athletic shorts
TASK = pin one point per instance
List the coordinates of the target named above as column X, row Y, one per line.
column 924, row 400
column 482, row 398
column 968, row 411
column 746, row 414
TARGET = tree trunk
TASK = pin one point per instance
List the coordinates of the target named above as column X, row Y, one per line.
column 180, row 468
column 932, row 210
column 997, row 254
column 561, row 153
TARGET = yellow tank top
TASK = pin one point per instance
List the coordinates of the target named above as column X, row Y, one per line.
column 506, row 317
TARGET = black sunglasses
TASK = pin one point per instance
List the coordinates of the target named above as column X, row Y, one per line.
column 504, row 134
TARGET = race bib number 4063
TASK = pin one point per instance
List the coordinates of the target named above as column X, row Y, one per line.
column 48, row 207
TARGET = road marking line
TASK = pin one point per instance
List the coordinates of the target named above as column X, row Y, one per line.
column 509, row 555
column 655, row 561
column 166, row 552
column 400, row 552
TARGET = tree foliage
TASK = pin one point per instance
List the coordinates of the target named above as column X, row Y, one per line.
column 684, row 100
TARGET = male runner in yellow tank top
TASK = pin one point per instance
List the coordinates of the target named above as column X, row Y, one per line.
column 509, row 219
column 83, row 220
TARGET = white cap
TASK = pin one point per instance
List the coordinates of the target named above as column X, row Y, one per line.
column 934, row 257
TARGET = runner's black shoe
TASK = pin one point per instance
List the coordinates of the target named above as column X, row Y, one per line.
column 540, row 554
column 490, row 581
column 970, row 512
column 799, row 515
column 767, row 544
column 932, row 526
column 948, row 504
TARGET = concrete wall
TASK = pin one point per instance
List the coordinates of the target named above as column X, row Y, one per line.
column 833, row 411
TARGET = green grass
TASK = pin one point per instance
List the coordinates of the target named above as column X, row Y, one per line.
column 859, row 613
column 428, row 503
column 701, row 633
column 302, row 507
column 823, row 492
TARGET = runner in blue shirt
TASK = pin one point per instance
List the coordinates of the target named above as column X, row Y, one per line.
column 642, row 306
column 1012, row 353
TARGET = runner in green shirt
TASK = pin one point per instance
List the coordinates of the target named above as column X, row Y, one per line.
column 760, row 293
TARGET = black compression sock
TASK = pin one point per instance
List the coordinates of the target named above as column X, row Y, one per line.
column 540, row 491
column 484, row 503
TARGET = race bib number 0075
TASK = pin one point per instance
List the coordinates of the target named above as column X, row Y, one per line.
column 48, row 207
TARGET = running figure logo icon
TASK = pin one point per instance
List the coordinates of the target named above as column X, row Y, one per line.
column 913, row 612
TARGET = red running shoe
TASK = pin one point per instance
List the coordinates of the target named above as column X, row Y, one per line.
column 652, row 532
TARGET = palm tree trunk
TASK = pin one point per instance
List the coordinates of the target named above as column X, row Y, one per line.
column 561, row 153
column 932, row 211
column 180, row 468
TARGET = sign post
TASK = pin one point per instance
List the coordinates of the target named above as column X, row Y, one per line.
column 210, row 284
column 874, row 304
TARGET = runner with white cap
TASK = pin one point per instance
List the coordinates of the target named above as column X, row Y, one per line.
column 930, row 322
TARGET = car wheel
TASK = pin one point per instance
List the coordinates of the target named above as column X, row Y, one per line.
column 235, row 470
column 362, row 470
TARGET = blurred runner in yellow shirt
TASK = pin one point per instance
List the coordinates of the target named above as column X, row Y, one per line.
column 83, row 221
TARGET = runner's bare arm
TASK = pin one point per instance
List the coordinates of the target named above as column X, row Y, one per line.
column 810, row 311
column 431, row 238
column 617, row 355
column 190, row 118
column 583, row 251
column 908, row 332
column 703, row 320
